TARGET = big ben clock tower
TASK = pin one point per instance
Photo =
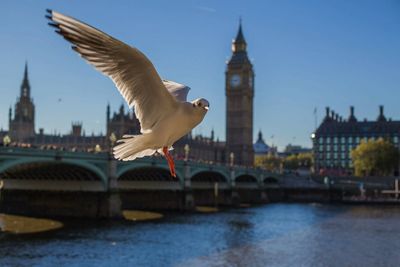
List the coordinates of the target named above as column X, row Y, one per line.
column 239, row 88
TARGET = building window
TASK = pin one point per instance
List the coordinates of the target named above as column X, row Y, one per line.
column 395, row 139
column 357, row 139
column 343, row 147
column 343, row 155
column 328, row 156
column 328, row 140
column 328, row 148
column 350, row 147
column 321, row 148
column 350, row 140
column 335, row 148
column 343, row 164
column 335, row 140
column 343, row 139
column 335, row 155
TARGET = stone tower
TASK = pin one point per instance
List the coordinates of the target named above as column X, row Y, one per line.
column 239, row 89
column 22, row 127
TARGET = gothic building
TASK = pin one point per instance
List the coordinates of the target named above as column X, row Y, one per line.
column 336, row 137
column 22, row 132
column 239, row 121
column 22, row 126
column 239, row 89
column 121, row 123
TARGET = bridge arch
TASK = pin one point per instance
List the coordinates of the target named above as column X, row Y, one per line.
column 245, row 178
column 197, row 170
column 146, row 173
column 208, row 176
column 124, row 169
column 271, row 180
column 60, row 170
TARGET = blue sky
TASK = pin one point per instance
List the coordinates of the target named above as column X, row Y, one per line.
column 306, row 54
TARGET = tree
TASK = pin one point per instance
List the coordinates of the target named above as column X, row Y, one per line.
column 291, row 162
column 269, row 162
column 295, row 162
column 375, row 157
column 305, row 160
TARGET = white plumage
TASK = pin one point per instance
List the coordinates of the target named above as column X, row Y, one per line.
column 160, row 105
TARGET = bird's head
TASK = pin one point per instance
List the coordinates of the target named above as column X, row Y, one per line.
column 201, row 104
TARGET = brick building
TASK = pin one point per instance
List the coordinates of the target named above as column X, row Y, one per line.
column 335, row 138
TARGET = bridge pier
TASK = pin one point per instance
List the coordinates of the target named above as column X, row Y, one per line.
column 187, row 189
column 264, row 197
column 235, row 197
column 110, row 206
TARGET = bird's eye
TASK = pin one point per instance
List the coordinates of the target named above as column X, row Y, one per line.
column 200, row 104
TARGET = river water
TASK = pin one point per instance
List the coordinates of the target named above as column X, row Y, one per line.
column 270, row 235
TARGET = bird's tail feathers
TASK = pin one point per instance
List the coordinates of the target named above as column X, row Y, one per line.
column 160, row 151
column 131, row 147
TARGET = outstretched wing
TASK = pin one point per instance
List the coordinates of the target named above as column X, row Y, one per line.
column 133, row 74
column 179, row 91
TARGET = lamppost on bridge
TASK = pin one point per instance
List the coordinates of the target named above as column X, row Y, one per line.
column 6, row 140
column 231, row 159
column 113, row 139
column 97, row 148
column 186, row 148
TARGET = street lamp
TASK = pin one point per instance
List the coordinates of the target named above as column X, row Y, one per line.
column 113, row 139
column 186, row 148
column 97, row 148
column 232, row 158
column 6, row 140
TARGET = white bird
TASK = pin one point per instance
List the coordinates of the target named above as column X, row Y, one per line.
column 160, row 105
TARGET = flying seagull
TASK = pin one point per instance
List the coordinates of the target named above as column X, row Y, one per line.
column 160, row 105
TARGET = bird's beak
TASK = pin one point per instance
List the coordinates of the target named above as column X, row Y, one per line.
column 206, row 108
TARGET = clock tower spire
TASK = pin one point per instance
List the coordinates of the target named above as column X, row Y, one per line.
column 239, row 89
column 22, row 127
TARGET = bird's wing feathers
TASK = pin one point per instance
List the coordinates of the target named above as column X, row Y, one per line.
column 179, row 91
column 133, row 74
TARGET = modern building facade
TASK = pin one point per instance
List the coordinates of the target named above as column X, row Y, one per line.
column 336, row 137
column 239, row 90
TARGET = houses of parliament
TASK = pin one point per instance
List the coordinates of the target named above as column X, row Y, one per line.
column 238, row 147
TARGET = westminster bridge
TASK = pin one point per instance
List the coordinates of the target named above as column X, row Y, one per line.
column 95, row 184
column 81, row 184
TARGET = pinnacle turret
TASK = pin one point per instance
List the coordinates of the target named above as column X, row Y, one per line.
column 25, row 86
column 239, row 44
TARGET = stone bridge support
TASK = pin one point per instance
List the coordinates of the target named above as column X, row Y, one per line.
column 187, row 189
column 235, row 197
column 111, row 202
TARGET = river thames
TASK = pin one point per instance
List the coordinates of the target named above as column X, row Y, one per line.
column 270, row 235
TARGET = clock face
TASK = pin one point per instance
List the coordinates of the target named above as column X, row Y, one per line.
column 235, row 80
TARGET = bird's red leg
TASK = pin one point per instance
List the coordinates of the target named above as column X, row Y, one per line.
column 170, row 160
